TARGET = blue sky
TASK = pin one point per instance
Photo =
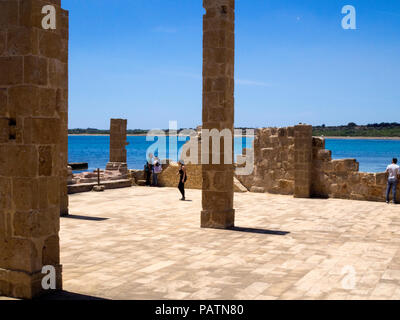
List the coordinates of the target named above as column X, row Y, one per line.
column 142, row 60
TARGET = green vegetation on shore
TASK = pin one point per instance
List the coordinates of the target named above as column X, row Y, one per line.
column 99, row 131
column 350, row 130
column 93, row 131
column 353, row 130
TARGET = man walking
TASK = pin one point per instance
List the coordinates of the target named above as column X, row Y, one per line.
column 393, row 175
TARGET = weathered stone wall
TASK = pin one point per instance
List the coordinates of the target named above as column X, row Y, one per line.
column 274, row 170
column 169, row 177
column 291, row 161
column 341, row 178
column 33, row 161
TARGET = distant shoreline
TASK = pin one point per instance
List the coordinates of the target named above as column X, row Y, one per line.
column 129, row 135
column 361, row 138
column 330, row 137
column 101, row 135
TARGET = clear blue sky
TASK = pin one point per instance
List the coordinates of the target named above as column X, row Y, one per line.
column 142, row 60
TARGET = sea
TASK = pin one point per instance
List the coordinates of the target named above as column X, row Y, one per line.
column 373, row 155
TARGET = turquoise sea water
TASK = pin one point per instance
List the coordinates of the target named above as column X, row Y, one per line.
column 373, row 155
column 95, row 150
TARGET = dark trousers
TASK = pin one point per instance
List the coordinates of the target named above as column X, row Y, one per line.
column 155, row 179
column 392, row 184
column 148, row 176
column 181, row 187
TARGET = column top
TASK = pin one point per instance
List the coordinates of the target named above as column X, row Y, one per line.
column 209, row 4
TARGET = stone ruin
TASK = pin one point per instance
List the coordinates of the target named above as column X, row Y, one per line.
column 34, row 135
column 116, row 173
column 291, row 161
column 34, row 142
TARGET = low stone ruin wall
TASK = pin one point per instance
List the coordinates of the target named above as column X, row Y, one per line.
column 116, row 175
column 169, row 178
column 280, row 165
column 341, row 178
column 273, row 162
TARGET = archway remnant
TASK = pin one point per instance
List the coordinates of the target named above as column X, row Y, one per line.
column 218, row 110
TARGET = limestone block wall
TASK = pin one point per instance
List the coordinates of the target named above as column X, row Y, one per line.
column 274, row 167
column 291, row 161
column 169, row 177
column 33, row 145
column 342, row 179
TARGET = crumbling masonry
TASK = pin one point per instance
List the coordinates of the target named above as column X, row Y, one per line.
column 291, row 161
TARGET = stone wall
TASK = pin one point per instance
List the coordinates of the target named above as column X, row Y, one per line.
column 169, row 178
column 274, row 170
column 33, row 166
column 291, row 161
column 341, row 178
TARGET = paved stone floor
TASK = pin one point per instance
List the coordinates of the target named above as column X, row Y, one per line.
column 142, row 243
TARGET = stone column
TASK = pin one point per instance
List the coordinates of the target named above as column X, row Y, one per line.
column 218, row 109
column 302, row 161
column 33, row 107
column 118, row 140
column 62, row 100
column 118, row 145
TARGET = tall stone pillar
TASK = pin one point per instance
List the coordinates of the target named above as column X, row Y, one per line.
column 218, row 109
column 62, row 100
column 302, row 160
column 118, row 145
column 118, row 140
column 33, row 107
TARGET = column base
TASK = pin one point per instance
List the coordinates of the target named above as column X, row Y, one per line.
column 120, row 168
column 218, row 219
column 300, row 192
column 24, row 285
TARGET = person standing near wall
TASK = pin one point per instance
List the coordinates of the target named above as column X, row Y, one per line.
column 157, row 168
column 182, row 179
column 147, row 172
column 392, row 171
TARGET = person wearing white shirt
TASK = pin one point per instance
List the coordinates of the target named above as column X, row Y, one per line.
column 157, row 168
column 392, row 171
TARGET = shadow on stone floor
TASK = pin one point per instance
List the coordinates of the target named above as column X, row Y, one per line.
column 72, row 216
column 66, row 295
column 260, row 231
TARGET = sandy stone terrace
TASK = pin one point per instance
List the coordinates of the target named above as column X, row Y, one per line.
column 143, row 243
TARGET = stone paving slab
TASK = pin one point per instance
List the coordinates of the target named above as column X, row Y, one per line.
column 143, row 243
